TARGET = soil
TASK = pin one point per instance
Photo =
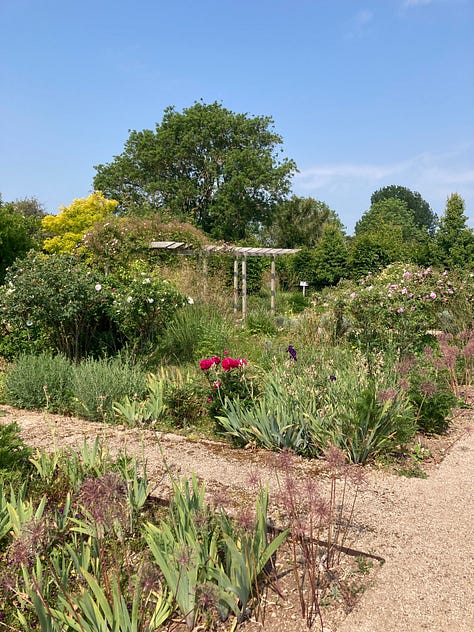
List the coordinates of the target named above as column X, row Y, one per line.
column 409, row 553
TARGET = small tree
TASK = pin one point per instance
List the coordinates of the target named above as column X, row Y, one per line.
column 454, row 239
column 68, row 227
column 300, row 222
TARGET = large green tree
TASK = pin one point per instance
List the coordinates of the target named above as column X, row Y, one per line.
column 206, row 165
column 300, row 221
column 420, row 210
column 454, row 239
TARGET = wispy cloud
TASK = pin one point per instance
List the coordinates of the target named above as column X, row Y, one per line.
column 359, row 25
column 415, row 3
column 347, row 187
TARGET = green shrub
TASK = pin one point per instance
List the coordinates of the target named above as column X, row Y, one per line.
column 297, row 302
column 427, row 381
column 195, row 332
column 97, row 384
column 400, row 306
column 14, row 453
column 58, row 303
column 261, row 323
column 42, row 382
column 142, row 306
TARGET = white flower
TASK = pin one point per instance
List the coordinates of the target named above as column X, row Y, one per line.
column 29, row 323
column 190, row 300
column 98, row 287
column 129, row 299
column 150, row 300
column 145, row 281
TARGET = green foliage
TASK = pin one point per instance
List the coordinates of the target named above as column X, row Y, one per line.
column 419, row 209
column 18, row 235
column 135, row 411
column 66, row 229
column 427, row 380
column 89, row 389
column 297, row 302
column 58, row 302
column 206, row 165
column 195, row 548
column 114, row 245
column 228, row 380
column 307, row 407
column 300, row 222
column 371, row 422
column 40, row 382
column 184, row 398
column 385, row 234
column 193, row 332
column 97, row 384
column 142, row 306
column 399, row 307
column 324, row 264
column 14, row 454
column 455, row 241
column 260, row 323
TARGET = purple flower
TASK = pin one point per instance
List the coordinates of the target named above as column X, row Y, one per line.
column 291, row 350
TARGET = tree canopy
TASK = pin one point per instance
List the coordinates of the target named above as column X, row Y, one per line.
column 206, row 165
column 454, row 239
column 420, row 210
column 300, row 221
column 67, row 228
column 18, row 234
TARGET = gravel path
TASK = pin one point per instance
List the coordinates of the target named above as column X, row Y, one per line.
column 426, row 536
column 422, row 528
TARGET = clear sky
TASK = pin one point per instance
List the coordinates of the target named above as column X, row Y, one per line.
column 364, row 93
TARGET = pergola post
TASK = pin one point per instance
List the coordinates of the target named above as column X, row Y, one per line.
column 244, row 287
column 204, row 274
column 236, row 284
column 272, row 286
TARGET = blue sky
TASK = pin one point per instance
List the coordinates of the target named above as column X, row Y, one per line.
column 364, row 93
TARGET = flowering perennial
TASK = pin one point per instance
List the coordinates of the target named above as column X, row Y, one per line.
column 206, row 363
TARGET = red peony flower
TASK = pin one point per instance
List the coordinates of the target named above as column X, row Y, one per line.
column 231, row 363
column 208, row 362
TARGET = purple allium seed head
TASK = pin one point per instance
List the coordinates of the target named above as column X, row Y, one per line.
column 387, row 395
column 246, row 519
column 150, row 578
column 428, row 389
column 255, row 479
column 404, row 385
column 286, row 460
column 335, row 458
column 468, row 351
column 406, row 364
column 357, row 475
column 207, row 596
column 105, row 499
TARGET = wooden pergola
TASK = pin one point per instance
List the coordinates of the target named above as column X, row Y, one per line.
column 238, row 252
